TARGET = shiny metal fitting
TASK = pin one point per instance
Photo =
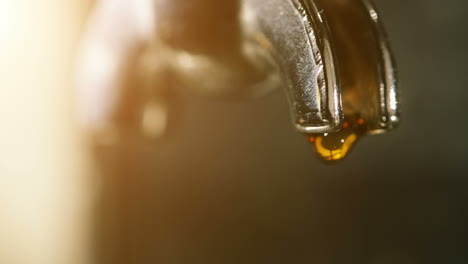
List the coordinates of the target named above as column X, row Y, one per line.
column 331, row 56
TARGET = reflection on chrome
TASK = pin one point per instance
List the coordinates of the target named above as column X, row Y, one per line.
column 331, row 56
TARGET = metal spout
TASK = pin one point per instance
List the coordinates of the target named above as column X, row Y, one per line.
column 322, row 52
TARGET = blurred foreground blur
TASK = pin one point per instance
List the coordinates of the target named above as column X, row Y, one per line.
column 45, row 192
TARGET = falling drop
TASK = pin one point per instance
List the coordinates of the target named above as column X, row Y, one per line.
column 336, row 146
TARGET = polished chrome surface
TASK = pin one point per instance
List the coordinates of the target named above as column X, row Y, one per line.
column 135, row 51
column 389, row 90
column 366, row 68
column 301, row 46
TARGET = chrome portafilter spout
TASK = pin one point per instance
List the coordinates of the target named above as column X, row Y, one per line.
column 331, row 56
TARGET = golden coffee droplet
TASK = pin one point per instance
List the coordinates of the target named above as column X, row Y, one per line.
column 336, row 146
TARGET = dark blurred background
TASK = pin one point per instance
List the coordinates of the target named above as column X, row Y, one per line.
column 234, row 183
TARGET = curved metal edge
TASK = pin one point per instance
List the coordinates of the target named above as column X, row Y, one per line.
column 319, row 37
column 389, row 86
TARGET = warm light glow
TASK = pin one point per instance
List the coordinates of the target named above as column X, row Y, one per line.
column 154, row 119
column 43, row 195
